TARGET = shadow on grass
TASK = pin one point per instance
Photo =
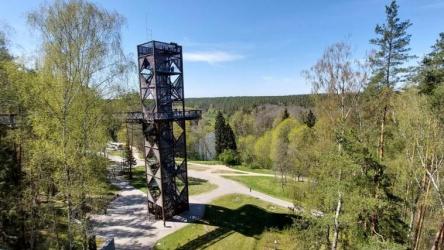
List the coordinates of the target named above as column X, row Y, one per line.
column 139, row 181
column 248, row 220
column 195, row 181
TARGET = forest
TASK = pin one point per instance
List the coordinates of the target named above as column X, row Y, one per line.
column 367, row 144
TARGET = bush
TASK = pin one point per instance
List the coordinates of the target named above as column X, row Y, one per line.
column 229, row 157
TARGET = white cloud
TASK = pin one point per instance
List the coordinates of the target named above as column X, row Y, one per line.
column 211, row 57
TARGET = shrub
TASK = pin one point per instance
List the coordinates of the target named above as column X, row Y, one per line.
column 229, row 157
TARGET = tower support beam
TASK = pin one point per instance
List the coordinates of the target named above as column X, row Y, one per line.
column 163, row 118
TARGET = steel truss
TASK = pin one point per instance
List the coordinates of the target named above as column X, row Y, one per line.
column 163, row 119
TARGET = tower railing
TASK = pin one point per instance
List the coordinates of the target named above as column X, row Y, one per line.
column 139, row 117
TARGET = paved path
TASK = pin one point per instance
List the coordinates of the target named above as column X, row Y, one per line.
column 127, row 221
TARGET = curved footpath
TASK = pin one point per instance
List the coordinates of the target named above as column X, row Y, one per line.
column 127, row 221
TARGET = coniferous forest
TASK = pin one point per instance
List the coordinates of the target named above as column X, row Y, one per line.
column 361, row 158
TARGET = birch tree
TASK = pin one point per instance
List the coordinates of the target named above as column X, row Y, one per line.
column 81, row 59
column 337, row 76
column 424, row 154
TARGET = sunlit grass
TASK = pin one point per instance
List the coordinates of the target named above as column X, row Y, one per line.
column 269, row 185
column 232, row 222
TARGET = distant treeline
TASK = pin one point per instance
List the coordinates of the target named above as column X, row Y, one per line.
column 229, row 105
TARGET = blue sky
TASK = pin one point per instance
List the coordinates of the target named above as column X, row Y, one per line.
column 251, row 47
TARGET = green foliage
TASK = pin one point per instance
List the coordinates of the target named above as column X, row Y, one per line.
column 246, row 149
column 285, row 114
column 262, row 149
column 225, row 139
column 130, row 160
column 431, row 77
column 431, row 70
column 437, row 103
column 279, row 153
column 229, row 105
column 63, row 126
column 229, row 157
column 392, row 48
column 11, row 188
column 219, row 131
column 309, row 119
column 51, row 172
column 383, row 207
column 4, row 52
column 201, row 137
column 230, row 138
column 301, row 152
column 242, row 123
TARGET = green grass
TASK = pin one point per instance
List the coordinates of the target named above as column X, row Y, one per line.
column 199, row 186
column 254, row 170
column 139, row 180
column 237, row 167
column 212, row 162
column 268, row 185
column 232, row 222
column 227, row 172
column 195, row 185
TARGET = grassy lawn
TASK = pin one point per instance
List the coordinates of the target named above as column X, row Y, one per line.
column 195, row 185
column 254, row 170
column 233, row 222
column 227, row 172
column 199, row 186
column 267, row 185
column 238, row 167
column 213, row 162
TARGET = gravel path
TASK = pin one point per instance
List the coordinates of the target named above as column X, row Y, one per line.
column 127, row 221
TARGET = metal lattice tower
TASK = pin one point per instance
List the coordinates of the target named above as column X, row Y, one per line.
column 163, row 119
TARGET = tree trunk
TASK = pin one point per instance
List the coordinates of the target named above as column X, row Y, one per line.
column 32, row 240
column 419, row 222
column 382, row 134
column 69, row 201
column 336, row 226
column 130, row 171
column 439, row 238
column 327, row 237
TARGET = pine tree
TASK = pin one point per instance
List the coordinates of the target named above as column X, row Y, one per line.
column 285, row 114
column 310, row 119
column 431, row 78
column 392, row 48
column 431, row 71
column 230, row 138
column 4, row 53
column 225, row 138
column 130, row 161
column 392, row 52
column 219, row 129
